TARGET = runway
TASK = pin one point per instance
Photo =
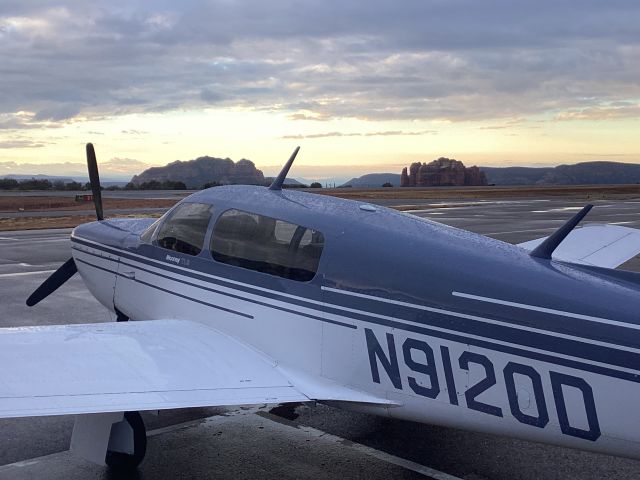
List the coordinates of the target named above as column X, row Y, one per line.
column 308, row 441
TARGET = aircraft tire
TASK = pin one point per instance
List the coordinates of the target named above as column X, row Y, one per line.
column 125, row 461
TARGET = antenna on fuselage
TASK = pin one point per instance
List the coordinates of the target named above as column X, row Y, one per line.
column 546, row 248
column 279, row 180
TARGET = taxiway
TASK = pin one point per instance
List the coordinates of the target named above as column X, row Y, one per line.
column 304, row 442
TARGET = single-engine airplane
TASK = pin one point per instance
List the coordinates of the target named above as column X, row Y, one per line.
column 251, row 295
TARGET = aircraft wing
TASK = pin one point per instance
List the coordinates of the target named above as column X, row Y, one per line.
column 124, row 366
column 606, row 246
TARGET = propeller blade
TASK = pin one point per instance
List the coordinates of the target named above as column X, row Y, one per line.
column 94, row 179
column 55, row 281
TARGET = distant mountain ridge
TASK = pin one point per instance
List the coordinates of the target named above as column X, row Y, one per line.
column 195, row 173
column 202, row 170
column 515, row 175
column 39, row 176
column 584, row 173
column 371, row 180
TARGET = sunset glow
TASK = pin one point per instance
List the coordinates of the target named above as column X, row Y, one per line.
column 362, row 87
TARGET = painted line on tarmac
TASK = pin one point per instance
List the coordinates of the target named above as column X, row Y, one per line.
column 13, row 263
column 22, row 274
column 48, row 240
column 36, row 239
column 364, row 449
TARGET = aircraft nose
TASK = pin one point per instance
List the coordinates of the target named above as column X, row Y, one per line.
column 111, row 232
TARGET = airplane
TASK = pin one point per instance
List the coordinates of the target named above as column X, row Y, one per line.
column 257, row 295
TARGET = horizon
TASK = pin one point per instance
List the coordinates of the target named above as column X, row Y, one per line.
column 369, row 91
column 77, row 175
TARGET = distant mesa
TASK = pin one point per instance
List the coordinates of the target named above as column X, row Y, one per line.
column 440, row 173
column 373, row 180
column 204, row 170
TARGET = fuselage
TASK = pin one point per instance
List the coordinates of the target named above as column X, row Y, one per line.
column 457, row 328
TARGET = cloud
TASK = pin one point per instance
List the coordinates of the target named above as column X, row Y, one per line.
column 388, row 133
column 514, row 122
column 123, row 165
column 66, row 168
column 456, row 60
column 134, row 132
column 20, row 144
column 57, row 112
column 609, row 112
column 304, row 116
column 23, row 121
column 115, row 167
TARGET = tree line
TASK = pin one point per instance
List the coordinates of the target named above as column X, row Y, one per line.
column 37, row 184
column 60, row 185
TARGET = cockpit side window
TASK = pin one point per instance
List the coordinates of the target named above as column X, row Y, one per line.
column 185, row 229
column 267, row 245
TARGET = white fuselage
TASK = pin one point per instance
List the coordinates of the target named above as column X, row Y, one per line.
column 435, row 379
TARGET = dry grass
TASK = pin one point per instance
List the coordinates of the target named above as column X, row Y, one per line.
column 33, row 223
column 49, row 204
column 28, row 204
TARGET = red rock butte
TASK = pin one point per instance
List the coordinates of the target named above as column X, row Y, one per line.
column 440, row 173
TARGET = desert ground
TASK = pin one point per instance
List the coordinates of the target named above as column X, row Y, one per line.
column 34, row 210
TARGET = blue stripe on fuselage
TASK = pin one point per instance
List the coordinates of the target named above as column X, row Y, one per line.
column 220, row 292
column 548, row 343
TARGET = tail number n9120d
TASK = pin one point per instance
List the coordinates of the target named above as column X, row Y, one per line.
column 419, row 358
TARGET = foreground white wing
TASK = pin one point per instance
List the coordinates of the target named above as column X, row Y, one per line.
column 606, row 246
column 147, row 365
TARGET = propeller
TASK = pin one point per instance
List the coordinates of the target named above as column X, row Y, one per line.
column 69, row 268
column 94, row 180
column 55, row 281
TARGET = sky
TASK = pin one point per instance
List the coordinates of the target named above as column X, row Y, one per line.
column 361, row 86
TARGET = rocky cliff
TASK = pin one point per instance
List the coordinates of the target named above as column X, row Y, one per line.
column 441, row 172
column 195, row 173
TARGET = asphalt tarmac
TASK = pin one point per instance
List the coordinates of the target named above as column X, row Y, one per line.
column 308, row 441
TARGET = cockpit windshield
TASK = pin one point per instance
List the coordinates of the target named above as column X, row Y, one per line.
column 185, row 228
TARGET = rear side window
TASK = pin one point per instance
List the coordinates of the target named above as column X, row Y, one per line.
column 267, row 245
column 185, row 229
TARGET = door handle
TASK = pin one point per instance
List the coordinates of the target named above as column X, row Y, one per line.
column 129, row 275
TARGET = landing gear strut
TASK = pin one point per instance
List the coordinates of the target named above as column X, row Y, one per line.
column 127, row 443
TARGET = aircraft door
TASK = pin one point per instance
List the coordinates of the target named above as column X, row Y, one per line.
column 339, row 355
column 128, row 295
